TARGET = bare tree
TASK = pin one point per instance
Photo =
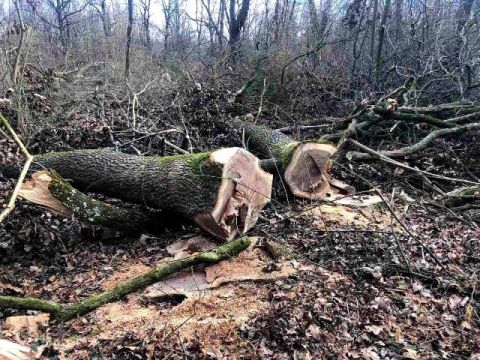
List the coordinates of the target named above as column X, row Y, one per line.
column 145, row 16
column 372, row 37
column 129, row 38
column 64, row 11
column 381, row 39
column 101, row 8
column 237, row 22
column 21, row 42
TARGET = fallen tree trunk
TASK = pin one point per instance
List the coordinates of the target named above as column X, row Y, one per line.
column 64, row 312
column 223, row 191
column 305, row 166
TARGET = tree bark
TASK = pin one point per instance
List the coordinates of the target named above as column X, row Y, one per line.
column 223, row 192
column 381, row 38
column 372, row 37
column 129, row 38
column 21, row 42
column 237, row 22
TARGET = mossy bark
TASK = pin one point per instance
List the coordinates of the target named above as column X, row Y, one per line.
column 63, row 312
column 268, row 143
column 185, row 184
column 463, row 195
column 96, row 212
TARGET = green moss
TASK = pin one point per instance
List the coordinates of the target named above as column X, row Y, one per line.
column 287, row 153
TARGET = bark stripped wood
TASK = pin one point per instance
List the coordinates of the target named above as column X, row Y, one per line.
column 13, row 351
column 49, row 190
column 28, row 160
column 64, row 312
column 222, row 192
column 305, row 166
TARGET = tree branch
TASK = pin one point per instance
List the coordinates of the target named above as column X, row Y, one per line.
column 64, row 312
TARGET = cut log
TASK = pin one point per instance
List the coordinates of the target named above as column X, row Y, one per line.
column 305, row 166
column 223, row 191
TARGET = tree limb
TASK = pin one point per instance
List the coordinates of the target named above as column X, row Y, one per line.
column 64, row 312
column 421, row 145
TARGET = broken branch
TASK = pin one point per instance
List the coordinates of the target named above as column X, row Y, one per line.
column 23, row 173
column 63, row 312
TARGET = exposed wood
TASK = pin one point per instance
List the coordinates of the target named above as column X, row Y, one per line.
column 304, row 165
column 223, row 192
column 65, row 312
column 13, row 351
column 48, row 189
column 307, row 171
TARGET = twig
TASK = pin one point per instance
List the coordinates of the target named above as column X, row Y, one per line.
column 179, row 149
column 261, row 100
column 23, row 174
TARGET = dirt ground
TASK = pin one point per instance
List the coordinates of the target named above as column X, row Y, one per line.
column 332, row 293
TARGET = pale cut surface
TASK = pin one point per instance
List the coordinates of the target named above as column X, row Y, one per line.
column 13, row 351
column 36, row 190
column 307, row 173
column 245, row 189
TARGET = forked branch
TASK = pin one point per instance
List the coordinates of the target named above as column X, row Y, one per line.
column 28, row 160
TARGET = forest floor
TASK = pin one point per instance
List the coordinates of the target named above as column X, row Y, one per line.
column 350, row 282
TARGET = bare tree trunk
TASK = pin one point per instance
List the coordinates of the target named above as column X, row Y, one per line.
column 129, row 38
column 325, row 17
column 145, row 11
column 221, row 22
column 381, row 39
column 314, row 29
column 23, row 30
column 237, row 22
column 105, row 19
column 398, row 19
column 463, row 13
column 372, row 38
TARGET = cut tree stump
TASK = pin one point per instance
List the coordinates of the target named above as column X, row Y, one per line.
column 305, row 166
column 222, row 192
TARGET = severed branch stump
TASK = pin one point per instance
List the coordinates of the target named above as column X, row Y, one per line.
column 222, row 192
